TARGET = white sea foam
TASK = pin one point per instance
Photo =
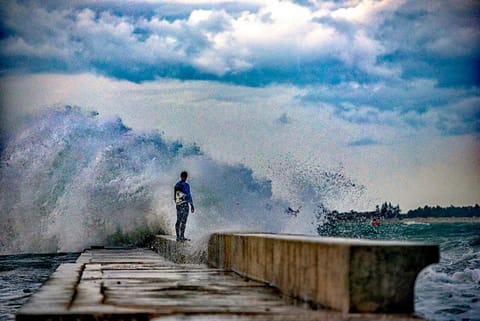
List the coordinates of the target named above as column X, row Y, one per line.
column 415, row 223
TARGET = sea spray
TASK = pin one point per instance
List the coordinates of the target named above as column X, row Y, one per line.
column 312, row 191
column 70, row 180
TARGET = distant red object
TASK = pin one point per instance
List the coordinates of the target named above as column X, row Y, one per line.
column 375, row 222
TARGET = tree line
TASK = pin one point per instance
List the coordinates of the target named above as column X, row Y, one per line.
column 387, row 210
column 437, row 211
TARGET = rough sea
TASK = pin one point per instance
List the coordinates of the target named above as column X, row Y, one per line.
column 69, row 181
column 21, row 275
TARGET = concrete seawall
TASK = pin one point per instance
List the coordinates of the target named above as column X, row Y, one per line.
column 169, row 248
column 357, row 280
column 343, row 274
column 178, row 252
column 140, row 285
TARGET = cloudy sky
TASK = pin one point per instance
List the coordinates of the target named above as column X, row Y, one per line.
column 385, row 91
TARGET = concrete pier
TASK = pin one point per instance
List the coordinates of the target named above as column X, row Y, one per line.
column 343, row 274
column 139, row 284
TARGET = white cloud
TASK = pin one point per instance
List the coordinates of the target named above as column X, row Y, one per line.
column 279, row 35
column 362, row 114
column 19, row 47
column 415, row 103
column 210, row 62
column 457, row 42
column 435, row 29
column 365, row 11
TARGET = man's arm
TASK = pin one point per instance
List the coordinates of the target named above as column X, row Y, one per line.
column 189, row 197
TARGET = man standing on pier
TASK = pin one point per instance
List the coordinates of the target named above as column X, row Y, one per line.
column 182, row 198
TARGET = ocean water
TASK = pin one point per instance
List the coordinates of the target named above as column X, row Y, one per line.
column 21, row 275
column 69, row 180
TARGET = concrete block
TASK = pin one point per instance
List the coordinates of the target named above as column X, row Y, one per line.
column 170, row 249
column 348, row 275
column 180, row 252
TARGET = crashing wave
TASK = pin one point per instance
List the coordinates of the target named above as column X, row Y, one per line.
column 69, row 180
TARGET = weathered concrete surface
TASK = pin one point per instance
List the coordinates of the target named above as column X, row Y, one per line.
column 179, row 252
column 171, row 249
column 343, row 274
column 138, row 284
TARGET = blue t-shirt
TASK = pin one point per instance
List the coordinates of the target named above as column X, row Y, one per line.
column 183, row 187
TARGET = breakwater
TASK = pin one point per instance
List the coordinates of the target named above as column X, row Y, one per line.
column 237, row 283
column 348, row 275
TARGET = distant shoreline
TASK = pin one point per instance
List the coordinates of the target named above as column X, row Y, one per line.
column 475, row 219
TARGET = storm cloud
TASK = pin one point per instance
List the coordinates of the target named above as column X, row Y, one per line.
column 252, row 43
